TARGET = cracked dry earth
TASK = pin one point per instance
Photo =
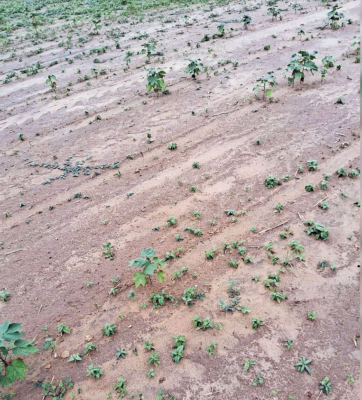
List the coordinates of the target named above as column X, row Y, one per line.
column 60, row 250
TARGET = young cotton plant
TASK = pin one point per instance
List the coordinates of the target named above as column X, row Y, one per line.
column 194, row 67
column 155, row 80
column 149, row 265
column 246, row 20
column 265, row 83
column 11, row 345
column 334, row 16
column 148, row 48
column 51, row 81
column 300, row 63
column 328, row 62
column 274, row 12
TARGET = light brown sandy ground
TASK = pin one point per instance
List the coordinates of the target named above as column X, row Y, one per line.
column 62, row 248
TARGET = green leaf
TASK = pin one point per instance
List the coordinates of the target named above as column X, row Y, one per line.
column 4, row 327
column 24, row 347
column 139, row 279
column 268, row 92
column 138, row 262
column 12, row 332
column 161, row 276
column 150, row 269
column 159, row 262
column 148, row 253
column 16, row 370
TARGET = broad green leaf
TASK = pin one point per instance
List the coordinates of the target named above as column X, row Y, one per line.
column 13, row 328
column 139, row 279
column 9, row 337
column 150, row 269
column 4, row 327
column 159, row 262
column 148, row 253
column 138, row 262
column 161, row 276
column 268, row 92
column 24, row 347
column 16, row 370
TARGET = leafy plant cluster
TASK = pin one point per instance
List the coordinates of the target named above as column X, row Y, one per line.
column 235, row 299
column 177, row 353
column 204, row 324
column 148, row 265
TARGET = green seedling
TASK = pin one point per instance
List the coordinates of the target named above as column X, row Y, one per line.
column 302, row 365
column 4, row 295
column 151, row 373
column 108, row 251
column 311, row 315
column 121, row 353
column 266, row 83
column 288, row 343
column 323, row 185
column 196, row 214
column 300, row 63
column 159, row 299
column 88, row 347
column 155, row 80
column 94, row 371
column 149, row 265
column 325, row 386
column 248, row 364
column 205, row 324
column 190, row 295
column 246, row 20
column 318, row 230
column 52, row 82
column 279, row 208
column 75, row 357
column 258, row 381
column 312, row 165
column 148, row 345
column 278, row 296
column 353, row 173
column 148, row 48
column 309, row 187
column 171, row 221
column 341, row 172
column 210, row 254
column 194, row 67
column 109, row 329
column 196, row 232
column 334, row 16
column 179, row 347
column 211, row 348
column 154, row 359
column 257, row 323
column 179, row 274
column 56, row 391
column 120, row 388
column 172, row 146
column 233, row 263
column 62, row 328
column 271, row 181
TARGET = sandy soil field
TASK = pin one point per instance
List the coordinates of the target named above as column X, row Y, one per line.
column 229, row 140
